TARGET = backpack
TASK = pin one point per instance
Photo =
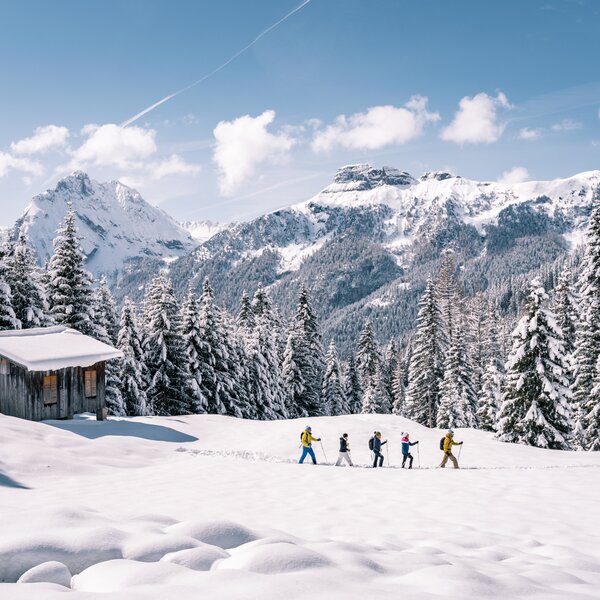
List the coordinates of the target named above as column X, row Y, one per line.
column 371, row 444
column 442, row 443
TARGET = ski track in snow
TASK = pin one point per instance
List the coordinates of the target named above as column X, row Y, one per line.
column 214, row 507
column 262, row 457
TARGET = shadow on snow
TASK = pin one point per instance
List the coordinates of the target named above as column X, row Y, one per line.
column 6, row 481
column 96, row 429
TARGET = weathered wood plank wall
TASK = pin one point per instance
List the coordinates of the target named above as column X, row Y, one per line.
column 22, row 393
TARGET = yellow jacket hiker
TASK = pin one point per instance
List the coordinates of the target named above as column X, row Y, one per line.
column 307, row 439
column 448, row 443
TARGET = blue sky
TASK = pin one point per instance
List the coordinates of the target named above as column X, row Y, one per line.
column 488, row 90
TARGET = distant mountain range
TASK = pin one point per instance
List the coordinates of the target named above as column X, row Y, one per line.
column 204, row 229
column 364, row 244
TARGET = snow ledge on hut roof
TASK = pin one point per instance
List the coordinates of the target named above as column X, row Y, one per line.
column 53, row 348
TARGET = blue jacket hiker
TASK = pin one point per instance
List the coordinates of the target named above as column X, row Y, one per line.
column 406, row 444
column 377, row 444
column 307, row 439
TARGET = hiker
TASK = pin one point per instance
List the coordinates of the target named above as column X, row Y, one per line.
column 448, row 443
column 377, row 443
column 344, row 451
column 307, row 440
column 406, row 444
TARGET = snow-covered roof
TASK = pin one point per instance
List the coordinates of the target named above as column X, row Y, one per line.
column 52, row 348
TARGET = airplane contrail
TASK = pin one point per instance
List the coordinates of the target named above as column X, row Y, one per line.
column 215, row 71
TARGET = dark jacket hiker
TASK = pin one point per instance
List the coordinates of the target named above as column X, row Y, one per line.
column 406, row 444
column 377, row 444
column 344, row 451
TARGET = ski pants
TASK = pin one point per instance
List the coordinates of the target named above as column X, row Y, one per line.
column 344, row 456
column 308, row 451
column 404, row 457
column 377, row 457
column 449, row 455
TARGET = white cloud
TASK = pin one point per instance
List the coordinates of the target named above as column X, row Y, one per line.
column 43, row 139
column 476, row 120
column 567, row 125
column 113, row 146
column 379, row 126
column 131, row 149
column 8, row 162
column 526, row 133
column 514, row 175
column 244, row 143
column 174, row 165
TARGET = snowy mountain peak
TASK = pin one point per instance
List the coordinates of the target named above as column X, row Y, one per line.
column 115, row 222
column 365, row 177
column 78, row 182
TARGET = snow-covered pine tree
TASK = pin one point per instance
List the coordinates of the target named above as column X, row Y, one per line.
column 589, row 417
column 490, row 398
column 584, row 368
column 267, row 393
column 28, row 296
column 447, row 291
column 132, row 365
column 458, row 402
column 292, row 380
column 245, row 318
column 476, row 317
column 493, row 345
column 587, row 338
column 105, row 329
column 8, row 319
column 70, row 294
column 194, row 342
column 106, row 311
column 207, row 352
column 352, row 389
column 425, row 369
column 565, row 310
column 333, row 392
column 222, row 366
column 371, row 400
column 389, row 361
column 535, row 408
column 305, row 351
column 263, row 305
column 368, row 365
column 169, row 391
column 368, row 357
column 399, row 388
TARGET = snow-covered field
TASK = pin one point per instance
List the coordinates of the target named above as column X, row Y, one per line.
column 214, row 507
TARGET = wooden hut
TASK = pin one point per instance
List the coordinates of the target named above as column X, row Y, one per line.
column 52, row 373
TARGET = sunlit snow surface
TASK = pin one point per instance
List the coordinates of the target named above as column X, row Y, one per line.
column 214, row 507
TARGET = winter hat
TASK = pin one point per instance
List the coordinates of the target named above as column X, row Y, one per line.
column 450, row 432
column 344, row 435
column 308, row 428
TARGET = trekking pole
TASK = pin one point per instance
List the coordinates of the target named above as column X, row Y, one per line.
column 459, row 451
column 387, row 451
column 323, row 450
column 418, row 456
